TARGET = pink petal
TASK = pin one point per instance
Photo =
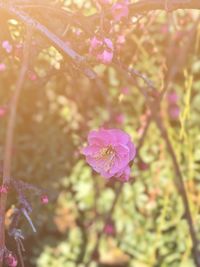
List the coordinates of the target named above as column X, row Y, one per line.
column 109, row 43
column 119, row 136
column 122, row 159
column 132, row 151
column 120, row 10
column 7, row 46
column 2, row 111
column 102, row 137
column 124, row 174
column 105, row 57
column 95, row 44
column 90, row 150
column 98, row 166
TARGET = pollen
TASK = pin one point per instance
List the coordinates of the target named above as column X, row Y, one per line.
column 107, row 151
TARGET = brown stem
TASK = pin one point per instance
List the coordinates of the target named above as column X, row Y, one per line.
column 179, row 182
column 9, row 143
column 182, row 190
column 106, row 219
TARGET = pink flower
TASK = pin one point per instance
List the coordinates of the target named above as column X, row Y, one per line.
column 172, row 97
column 108, row 43
column 95, row 44
column 78, row 32
column 7, row 46
column 2, row 67
column 106, row 57
column 44, row 199
column 2, row 111
column 120, row 118
column 3, row 189
column 125, row 90
column 120, row 10
column 124, row 175
column 11, row 260
column 32, row 76
column 109, row 228
column 109, row 152
column 102, row 49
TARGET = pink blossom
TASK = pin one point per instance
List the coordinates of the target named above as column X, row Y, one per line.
column 2, row 67
column 109, row 152
column 78, row 32
column 102, row 49
column 105, row 57
column 95, row 44
column 2, row 111
column 109, row 228
column 172, row 97
column 124, row 175
column 44, row 199
column 7, row 46
column 11, row 260
column 125, row 90
column 32, row 76
column 3, row 189
column 120, row 10
column 120, row 118
column 108, row 43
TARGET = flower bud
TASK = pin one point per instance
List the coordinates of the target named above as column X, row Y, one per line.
column 11, row 260
column 44, row 199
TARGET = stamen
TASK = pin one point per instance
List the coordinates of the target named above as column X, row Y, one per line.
column 108, row 155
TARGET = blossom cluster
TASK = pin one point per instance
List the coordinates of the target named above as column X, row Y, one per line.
column 102, row 48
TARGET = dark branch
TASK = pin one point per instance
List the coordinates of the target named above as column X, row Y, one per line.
column 170, row 5
column 59, row 43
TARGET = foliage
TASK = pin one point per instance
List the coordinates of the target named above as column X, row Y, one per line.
column 59, row 105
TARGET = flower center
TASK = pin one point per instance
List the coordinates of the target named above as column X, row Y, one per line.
column 107, row 154
column 107, row 151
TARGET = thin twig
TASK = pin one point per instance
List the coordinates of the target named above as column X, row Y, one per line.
column 19, row 250
column 106, row 219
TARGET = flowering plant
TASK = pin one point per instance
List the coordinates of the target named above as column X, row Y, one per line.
column 109, row 152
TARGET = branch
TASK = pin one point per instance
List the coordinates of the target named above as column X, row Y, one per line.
column 59, row 43
column 9, row 142
column 168, row 5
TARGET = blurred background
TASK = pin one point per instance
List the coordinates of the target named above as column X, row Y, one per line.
column 59, row 105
